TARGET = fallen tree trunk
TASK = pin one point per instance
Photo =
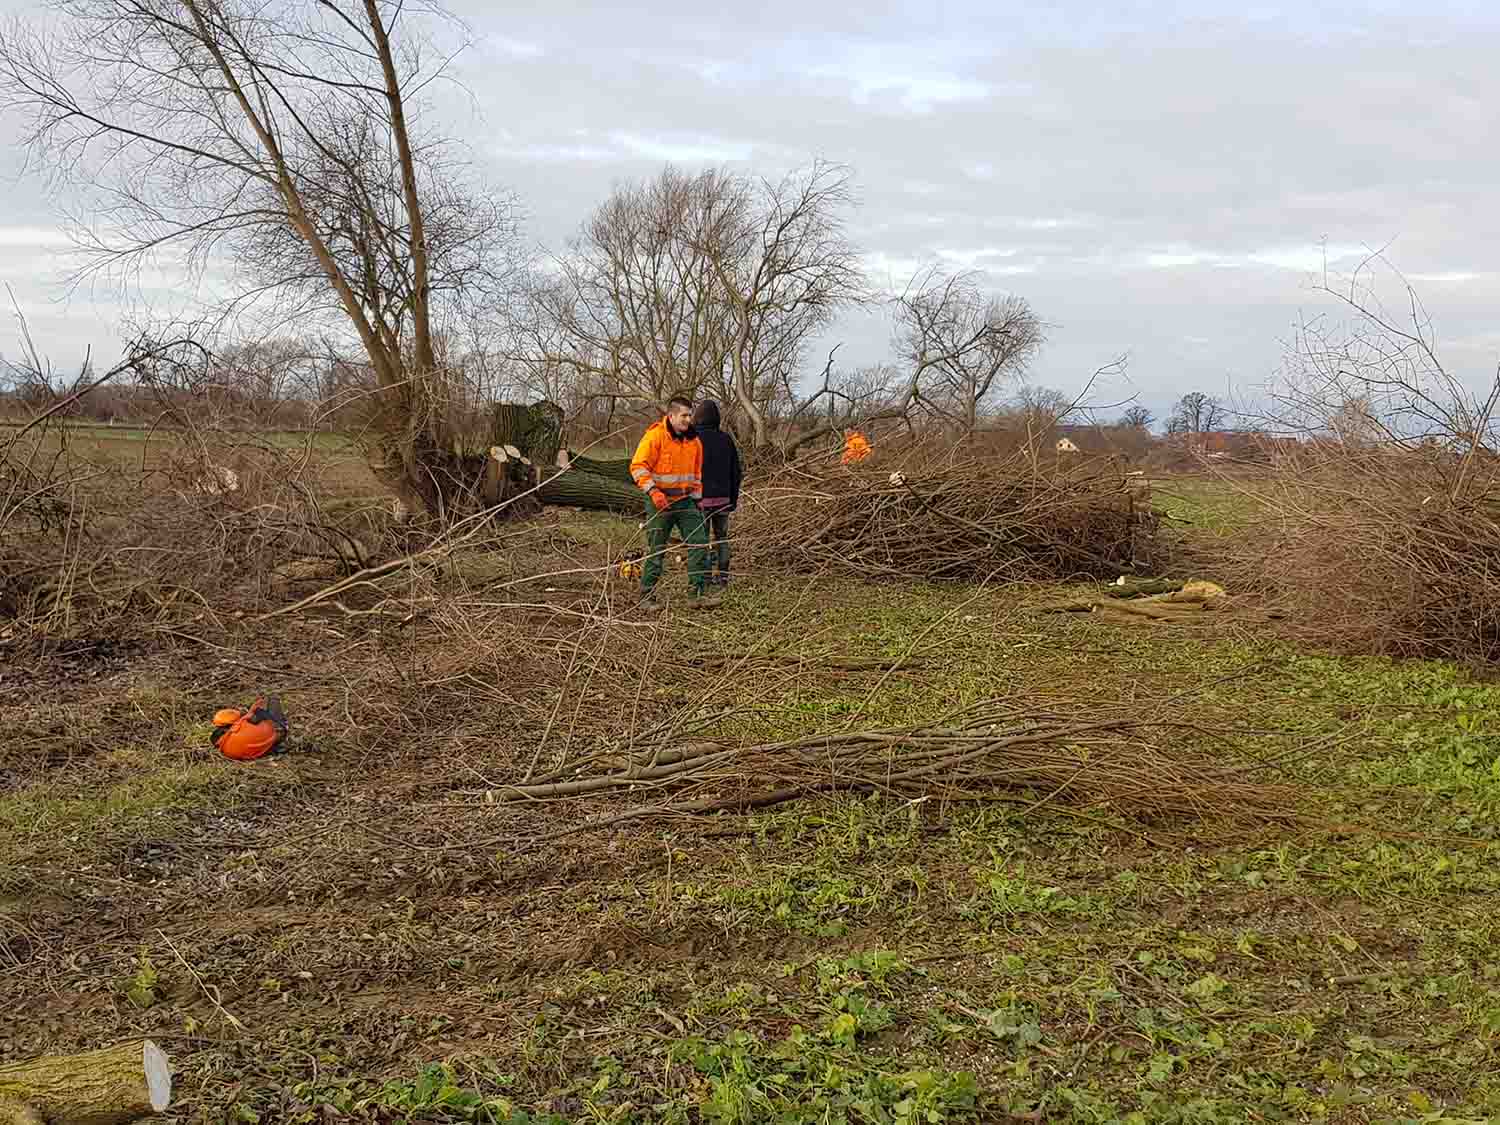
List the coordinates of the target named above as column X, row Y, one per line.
column 535, row 431
column 1157, row 611
column 613, row 468
column 110, row 1086
column 571, row 488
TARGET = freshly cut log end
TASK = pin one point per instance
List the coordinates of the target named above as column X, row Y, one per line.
column 110, row 1086
column 158, row 1076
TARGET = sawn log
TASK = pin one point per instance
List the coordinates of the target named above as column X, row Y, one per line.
column 110, row 1086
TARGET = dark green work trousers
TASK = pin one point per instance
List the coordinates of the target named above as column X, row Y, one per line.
column 687, row 518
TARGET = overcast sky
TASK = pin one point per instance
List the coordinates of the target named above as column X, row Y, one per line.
column 1159, row 179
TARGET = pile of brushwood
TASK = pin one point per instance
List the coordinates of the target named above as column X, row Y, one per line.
column 1181, row 765
column 1373, row 549
column 96, row 544
column 996, row 750
column 1013, row 518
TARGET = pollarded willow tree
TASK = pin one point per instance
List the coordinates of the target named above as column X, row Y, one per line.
column 278, row 149
column 713, row 282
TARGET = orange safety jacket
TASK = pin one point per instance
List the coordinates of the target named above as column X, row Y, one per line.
column 674, row 465
column 856, row 448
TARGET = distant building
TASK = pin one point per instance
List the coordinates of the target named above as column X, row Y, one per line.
column 1093, row 441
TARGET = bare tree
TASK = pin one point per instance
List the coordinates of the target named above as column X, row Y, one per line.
column 1137, row 418
column 840, row 400
column 1038, row 409
column 278, row 140
column 957, row 349
column 787, row 268
column 637, row 305
column 1196, row 413
column 1377, row 375
column 714, row 281
column 960, row 346
column 270, row 382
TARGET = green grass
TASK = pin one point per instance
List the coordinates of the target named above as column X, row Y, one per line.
column 96, row 431
column 1206, row 505
column 38, row 814
column 860, row 959
column 883, row 962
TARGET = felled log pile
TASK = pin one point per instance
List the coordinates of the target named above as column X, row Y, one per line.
column 1159, row 600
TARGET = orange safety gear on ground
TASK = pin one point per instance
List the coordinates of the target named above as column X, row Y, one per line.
column 672, row 465
column 856, row 448
column 247, row 735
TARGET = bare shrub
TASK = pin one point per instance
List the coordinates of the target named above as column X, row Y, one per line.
column 1380, row 514
column 190, row 520
column 1373, row 550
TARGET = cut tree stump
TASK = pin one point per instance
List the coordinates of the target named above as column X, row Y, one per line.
column 508, row 477
column 110, row 1086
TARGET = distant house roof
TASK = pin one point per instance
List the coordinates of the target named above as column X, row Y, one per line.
column 1218, row 441
column 1085, row 438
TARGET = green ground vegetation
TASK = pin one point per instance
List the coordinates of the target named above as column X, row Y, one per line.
column 847, row 959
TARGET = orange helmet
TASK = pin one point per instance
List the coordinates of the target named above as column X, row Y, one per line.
column 247, row 735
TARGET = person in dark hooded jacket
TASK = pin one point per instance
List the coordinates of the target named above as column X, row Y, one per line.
column 721, row 486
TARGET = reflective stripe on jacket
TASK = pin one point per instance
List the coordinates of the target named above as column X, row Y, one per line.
column 671, row 464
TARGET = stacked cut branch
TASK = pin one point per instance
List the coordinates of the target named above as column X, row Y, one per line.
column 987, row 752
column 956, row 522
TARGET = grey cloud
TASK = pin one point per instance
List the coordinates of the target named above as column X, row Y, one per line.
column 1153, row 180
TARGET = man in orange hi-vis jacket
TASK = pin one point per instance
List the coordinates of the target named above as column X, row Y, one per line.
column 668, row 468
column 856, row 448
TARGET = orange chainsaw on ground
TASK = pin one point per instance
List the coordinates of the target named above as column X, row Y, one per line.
column 244, row 736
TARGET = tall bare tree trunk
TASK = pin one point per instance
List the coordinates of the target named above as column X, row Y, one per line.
column 742, row 383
